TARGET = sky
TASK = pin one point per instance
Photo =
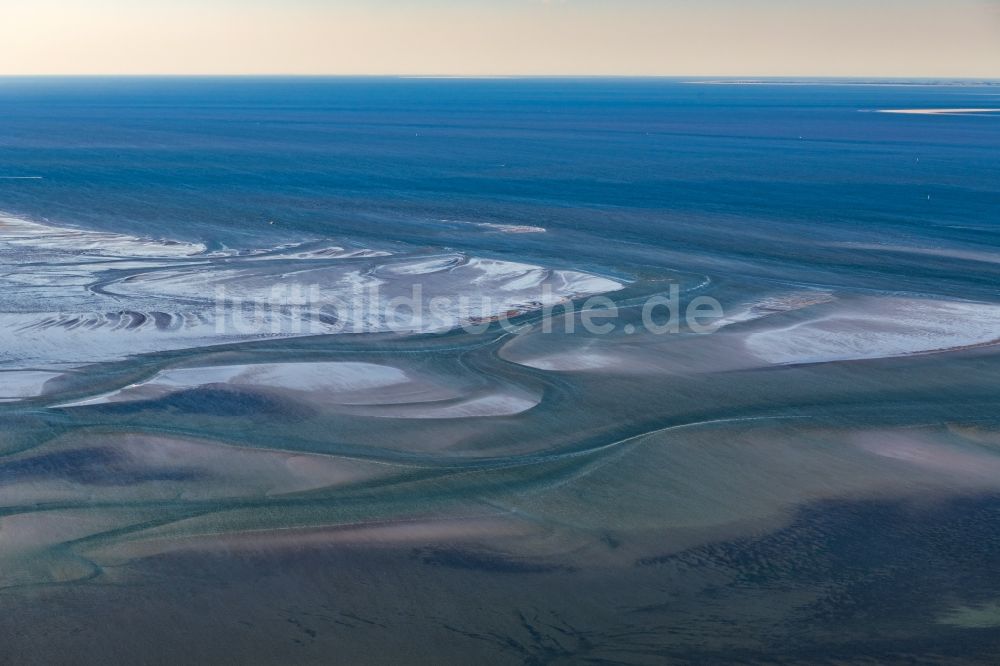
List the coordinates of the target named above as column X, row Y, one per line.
column 891, row 38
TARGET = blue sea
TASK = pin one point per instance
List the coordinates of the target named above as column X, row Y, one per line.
column 656, row 166
column 813, row 476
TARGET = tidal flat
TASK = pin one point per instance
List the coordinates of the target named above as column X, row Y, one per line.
column 215, row 449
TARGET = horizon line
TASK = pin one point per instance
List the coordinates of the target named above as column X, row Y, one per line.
column 737, row 77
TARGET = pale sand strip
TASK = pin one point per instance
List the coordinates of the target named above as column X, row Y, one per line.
column 937, row 112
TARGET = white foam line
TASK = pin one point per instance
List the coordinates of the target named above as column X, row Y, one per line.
column 21, row 177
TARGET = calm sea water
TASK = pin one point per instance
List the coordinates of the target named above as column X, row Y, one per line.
column 747, row 172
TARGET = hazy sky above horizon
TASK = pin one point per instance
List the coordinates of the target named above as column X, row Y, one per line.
column 934, row 38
